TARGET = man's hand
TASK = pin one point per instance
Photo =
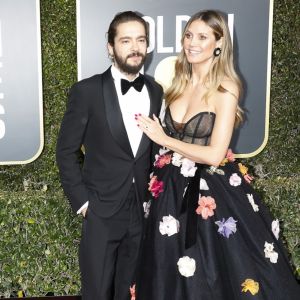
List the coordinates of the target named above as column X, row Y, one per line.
column 83, row 212
column 83, row 208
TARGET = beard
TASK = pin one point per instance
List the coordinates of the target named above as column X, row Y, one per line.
column 126, row 67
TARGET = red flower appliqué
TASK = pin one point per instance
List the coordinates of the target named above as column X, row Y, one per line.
column 155, row 186
column 162, row 160
column 132, row 292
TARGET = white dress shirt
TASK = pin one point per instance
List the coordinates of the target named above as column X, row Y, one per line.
column 133, row 102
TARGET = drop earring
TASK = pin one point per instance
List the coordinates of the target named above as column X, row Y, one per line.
column 217, row 51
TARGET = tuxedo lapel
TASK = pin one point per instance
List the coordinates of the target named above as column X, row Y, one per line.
column 145, row 141
column 113, row 112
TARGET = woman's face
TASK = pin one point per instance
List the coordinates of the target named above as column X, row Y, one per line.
column 199, row 43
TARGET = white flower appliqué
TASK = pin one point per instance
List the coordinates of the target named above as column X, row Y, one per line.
column 177, row 159
column 186, row 266
column 251, row 200
column 184, row 191
column 235, row 179
column 203, row 185
column 146, row 206
column 188, row 168
column 169, row 225
column 276, row 228
column 162, row 151
column 270, row 253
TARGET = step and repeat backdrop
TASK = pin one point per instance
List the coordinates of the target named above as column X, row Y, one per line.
column 21, row 114
column 250, row 23
column 21, row 122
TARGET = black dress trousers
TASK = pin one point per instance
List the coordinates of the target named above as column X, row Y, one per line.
column 109, row 250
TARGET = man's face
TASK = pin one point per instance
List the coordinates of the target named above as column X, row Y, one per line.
column 129, row 50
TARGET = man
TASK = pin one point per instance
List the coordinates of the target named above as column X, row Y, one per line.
column 110, row 187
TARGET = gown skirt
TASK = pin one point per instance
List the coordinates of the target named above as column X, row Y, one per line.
column 208, row 236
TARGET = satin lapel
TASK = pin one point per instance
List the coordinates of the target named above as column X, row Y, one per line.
column 145, row 141
column 113, row 112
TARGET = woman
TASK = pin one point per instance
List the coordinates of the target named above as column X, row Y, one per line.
column 208, row 235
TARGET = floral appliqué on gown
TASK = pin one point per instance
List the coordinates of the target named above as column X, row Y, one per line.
column 208, row 234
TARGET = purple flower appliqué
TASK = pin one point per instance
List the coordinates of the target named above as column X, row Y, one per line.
column 226, row 228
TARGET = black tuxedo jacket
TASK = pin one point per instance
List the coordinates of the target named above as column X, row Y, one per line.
column 93, row 119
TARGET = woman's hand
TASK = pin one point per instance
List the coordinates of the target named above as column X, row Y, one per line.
column 152, row 129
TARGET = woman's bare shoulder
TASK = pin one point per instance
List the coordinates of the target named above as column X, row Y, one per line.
column 230, row 87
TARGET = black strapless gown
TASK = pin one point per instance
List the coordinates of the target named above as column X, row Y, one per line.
column 208, row 235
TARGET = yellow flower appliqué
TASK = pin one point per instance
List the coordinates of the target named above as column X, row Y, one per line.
column 251, row 286
column 224, row 162
column 243, row 169
column 229, row 158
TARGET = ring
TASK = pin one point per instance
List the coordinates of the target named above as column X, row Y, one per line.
column 146, row 127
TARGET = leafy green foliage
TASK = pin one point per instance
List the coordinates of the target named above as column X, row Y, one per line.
column 39, row 236
column 278, row 165
column 38, row 244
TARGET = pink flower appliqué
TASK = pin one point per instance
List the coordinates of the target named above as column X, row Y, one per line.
column 155, row 186
column 235, row 179
column 132, row 292
column 228, row 158
column 248, row 178
column 206, row 207
column 230, row 155
column 162, row 160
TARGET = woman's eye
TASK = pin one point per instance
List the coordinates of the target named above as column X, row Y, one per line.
column 188, row 35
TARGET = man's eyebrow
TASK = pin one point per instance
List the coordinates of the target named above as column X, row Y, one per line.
column 130, row 37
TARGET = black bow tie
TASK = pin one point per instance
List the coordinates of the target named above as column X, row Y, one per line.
column 138, row 84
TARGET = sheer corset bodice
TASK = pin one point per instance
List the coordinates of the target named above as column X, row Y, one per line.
column 196, row 130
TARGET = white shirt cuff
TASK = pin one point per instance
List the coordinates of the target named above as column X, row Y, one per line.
column 85, row 205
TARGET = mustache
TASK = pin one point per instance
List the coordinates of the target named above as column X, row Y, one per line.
column 134, row 54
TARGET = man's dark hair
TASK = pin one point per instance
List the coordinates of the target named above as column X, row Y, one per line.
column 124, row 17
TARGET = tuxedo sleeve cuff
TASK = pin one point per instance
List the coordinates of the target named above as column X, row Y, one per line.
column 85, row 205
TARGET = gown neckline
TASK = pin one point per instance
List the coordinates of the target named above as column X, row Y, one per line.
column 188, row 121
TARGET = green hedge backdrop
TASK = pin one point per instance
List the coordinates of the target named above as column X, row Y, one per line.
column 39, row 236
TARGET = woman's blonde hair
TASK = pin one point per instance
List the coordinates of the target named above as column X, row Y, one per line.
column 222, row 66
